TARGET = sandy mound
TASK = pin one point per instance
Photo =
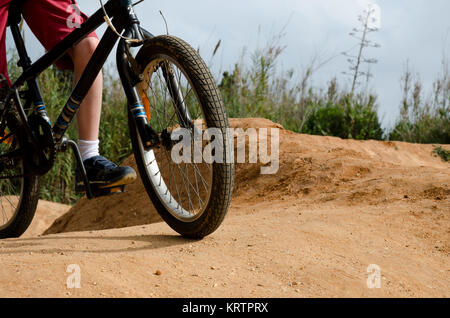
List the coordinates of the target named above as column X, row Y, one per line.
column 130, row 208
column 313, row 169
column 46, row 214
column 320, row 169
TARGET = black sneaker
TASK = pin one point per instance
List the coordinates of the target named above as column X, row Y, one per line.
column 104, row 174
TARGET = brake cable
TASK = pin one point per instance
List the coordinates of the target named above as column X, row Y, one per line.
column 110, row 24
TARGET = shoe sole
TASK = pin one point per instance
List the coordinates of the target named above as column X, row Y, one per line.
column 128, row 178
column 124, row 180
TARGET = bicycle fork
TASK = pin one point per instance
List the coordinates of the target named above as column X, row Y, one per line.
column 131, row 75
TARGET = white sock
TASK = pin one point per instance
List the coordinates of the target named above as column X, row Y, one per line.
column 88, row 148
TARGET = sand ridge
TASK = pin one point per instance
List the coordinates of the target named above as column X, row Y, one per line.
column 334, row 207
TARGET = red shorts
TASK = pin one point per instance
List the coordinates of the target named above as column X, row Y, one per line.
column 49, row 20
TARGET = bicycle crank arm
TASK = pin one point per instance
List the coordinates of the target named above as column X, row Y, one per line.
column 81, row 169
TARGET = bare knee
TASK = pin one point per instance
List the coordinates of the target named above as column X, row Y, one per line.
column 84, row 49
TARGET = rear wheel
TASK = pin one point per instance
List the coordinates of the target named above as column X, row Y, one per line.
column 19, row 190
column 188, row 180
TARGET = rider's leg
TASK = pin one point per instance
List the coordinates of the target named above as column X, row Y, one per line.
column 49, row 21
column 99, row 169
column 53, row 20
column 88, row 118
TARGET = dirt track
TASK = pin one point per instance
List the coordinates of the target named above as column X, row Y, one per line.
column 335, row 207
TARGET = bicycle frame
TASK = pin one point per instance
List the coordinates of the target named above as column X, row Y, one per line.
column 123, row 19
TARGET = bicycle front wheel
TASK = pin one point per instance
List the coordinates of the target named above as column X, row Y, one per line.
column 189, row 180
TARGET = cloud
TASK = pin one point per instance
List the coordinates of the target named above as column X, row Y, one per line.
column 412, row 29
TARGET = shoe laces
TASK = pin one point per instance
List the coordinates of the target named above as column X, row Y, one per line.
column 102, row 162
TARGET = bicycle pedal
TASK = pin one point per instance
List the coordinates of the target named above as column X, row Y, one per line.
column 101, row 192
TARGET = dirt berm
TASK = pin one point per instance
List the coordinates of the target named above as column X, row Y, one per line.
column 312, row 229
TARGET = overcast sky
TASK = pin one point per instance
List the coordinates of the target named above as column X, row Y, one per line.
column 414, row 30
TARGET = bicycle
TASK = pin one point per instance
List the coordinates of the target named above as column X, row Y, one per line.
column 168, row 87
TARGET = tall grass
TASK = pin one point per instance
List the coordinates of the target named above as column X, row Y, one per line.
column 424, row 118
column 259, row 90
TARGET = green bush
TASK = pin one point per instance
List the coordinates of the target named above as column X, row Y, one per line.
column 424, row 119
column 347, row 119
column 259, row 91
column 429, row 127
column 441, row 152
